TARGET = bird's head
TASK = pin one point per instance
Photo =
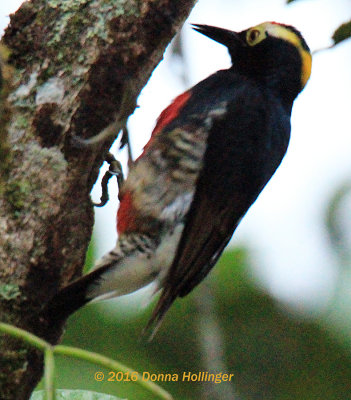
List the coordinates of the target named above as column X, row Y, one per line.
column 272, row 53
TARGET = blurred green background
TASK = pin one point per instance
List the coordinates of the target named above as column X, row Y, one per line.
column 226, row 325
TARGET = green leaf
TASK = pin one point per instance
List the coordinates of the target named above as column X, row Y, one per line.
column 74, row 395
column 342, row 33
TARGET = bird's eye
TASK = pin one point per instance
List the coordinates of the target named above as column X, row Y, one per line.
column 253, row 36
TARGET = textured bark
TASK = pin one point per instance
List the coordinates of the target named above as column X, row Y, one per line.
column 73, row 62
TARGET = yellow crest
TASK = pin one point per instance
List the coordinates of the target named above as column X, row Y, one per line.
column 260, row 32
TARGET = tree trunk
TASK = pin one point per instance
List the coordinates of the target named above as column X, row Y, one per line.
column 77, row 65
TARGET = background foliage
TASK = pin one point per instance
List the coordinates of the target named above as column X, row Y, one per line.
column 272, row 354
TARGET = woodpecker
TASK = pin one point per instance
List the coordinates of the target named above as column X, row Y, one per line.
column 210, row 155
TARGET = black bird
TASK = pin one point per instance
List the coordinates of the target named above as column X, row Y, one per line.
column 210, row 155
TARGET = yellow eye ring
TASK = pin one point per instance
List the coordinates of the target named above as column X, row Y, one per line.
column 253, row 35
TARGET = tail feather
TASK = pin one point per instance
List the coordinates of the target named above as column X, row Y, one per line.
column 72, row 297
column 164, row 303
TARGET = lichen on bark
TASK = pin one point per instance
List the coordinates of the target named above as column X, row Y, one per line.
column 73, row 62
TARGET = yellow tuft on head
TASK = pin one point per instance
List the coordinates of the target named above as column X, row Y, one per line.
column 260, row 32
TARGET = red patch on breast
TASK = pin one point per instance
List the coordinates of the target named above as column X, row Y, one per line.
column 126, row 214
column 169, row 114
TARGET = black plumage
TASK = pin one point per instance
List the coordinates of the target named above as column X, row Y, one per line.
column 210, row 155
column 244, row 148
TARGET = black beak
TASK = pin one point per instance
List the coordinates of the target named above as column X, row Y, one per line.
column 228, row 38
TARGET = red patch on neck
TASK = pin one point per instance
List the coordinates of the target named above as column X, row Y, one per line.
column 126, row 214
column 168, row 115
column 171, row 112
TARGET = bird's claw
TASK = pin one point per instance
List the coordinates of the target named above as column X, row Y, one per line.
column 115, row 169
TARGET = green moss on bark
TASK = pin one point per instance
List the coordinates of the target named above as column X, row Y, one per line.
column 75, row 60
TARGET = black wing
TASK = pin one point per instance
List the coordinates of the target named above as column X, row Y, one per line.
column 244, row 149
